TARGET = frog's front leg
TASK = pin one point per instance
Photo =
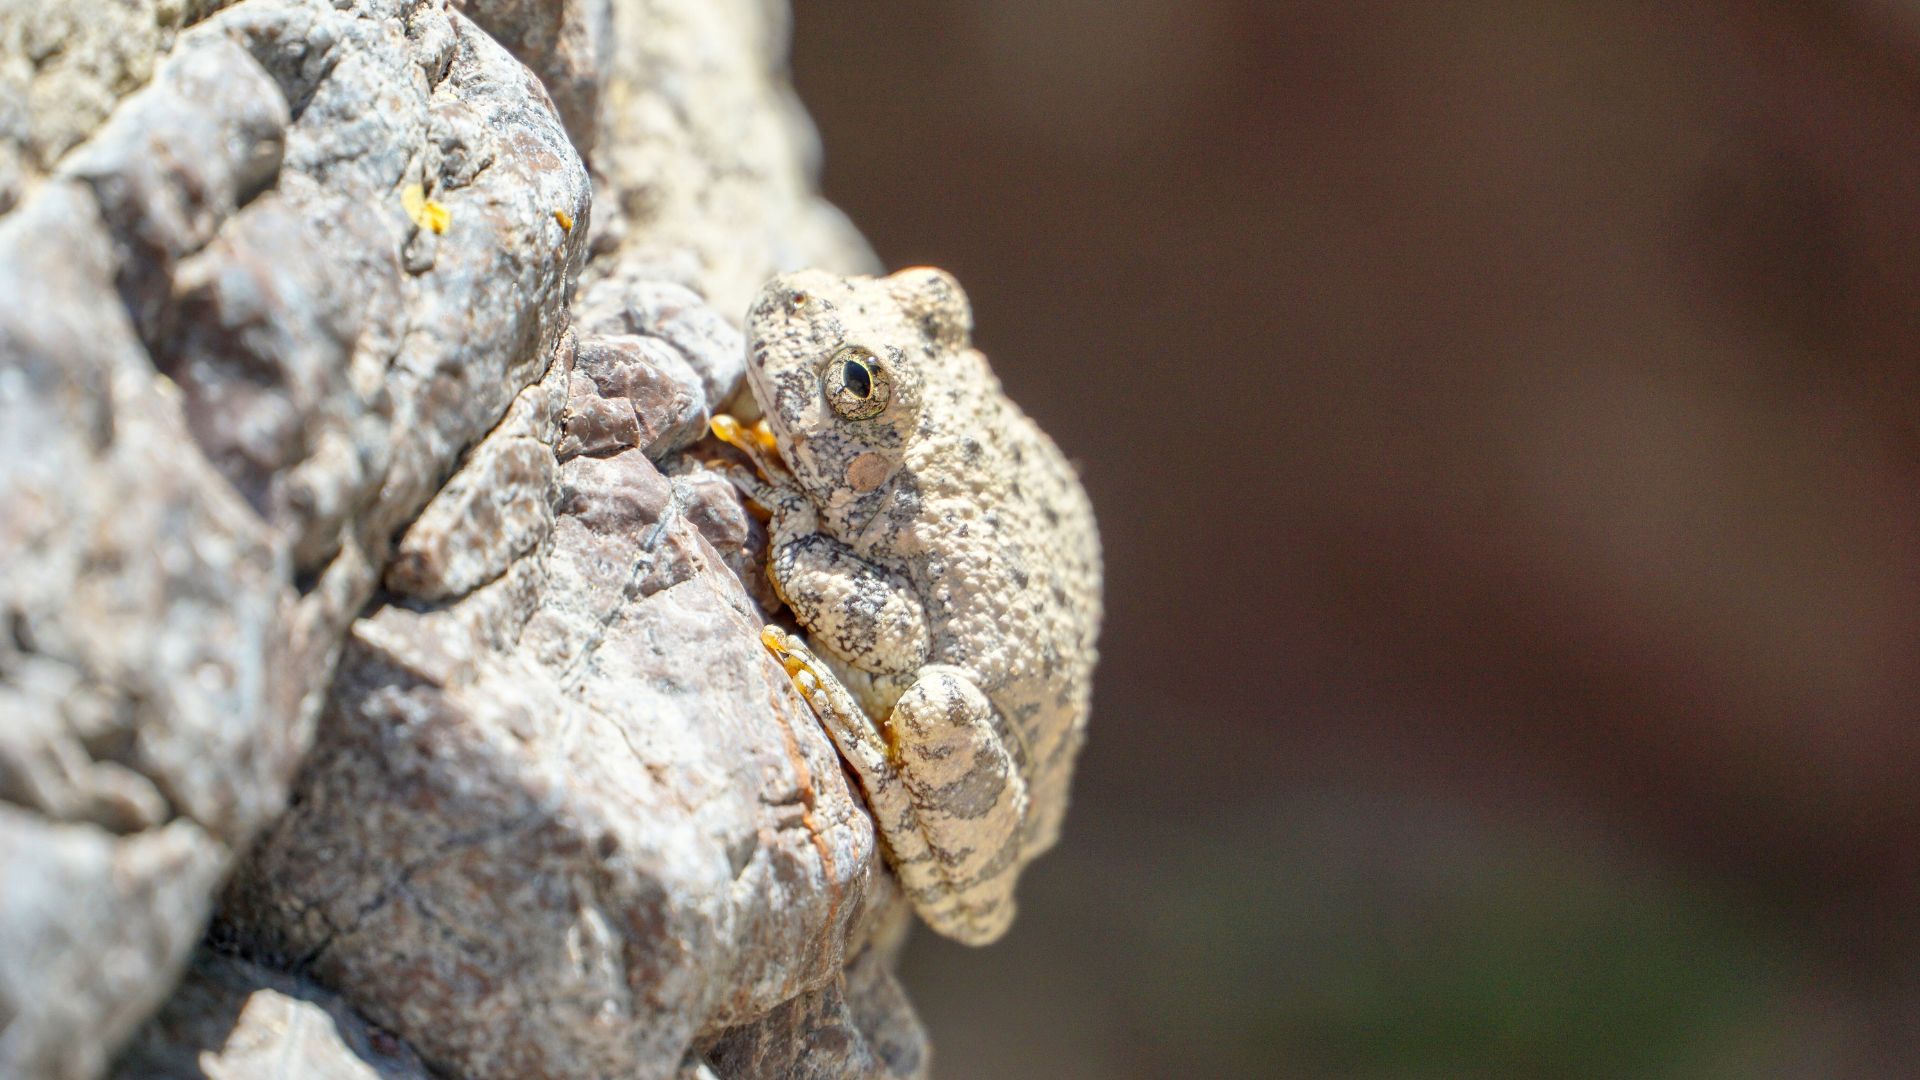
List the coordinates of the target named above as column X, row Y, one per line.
column 946, row 796
column 864, row 615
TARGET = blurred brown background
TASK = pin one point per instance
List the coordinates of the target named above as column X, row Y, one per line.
column 1502, row 420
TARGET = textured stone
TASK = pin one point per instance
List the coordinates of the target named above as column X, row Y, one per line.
column 94, row 927
column 307, row 465
column 577, row 848
column 231, row 1020
column 259, row 347
column 63, row 68
column 713, row 506
column 859, row 1026
column 148, row 710
column 175, row 164
column 496, row 508
column 674, row 315
column 218, row 397
column 705, row 163
column 597, row 425
column 632, row 391
column 566, row 43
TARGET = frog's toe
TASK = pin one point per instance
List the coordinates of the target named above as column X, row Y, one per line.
column 730, row 431
column 793, row 656
column 756, row 442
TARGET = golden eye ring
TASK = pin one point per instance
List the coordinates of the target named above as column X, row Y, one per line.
column 857, row 384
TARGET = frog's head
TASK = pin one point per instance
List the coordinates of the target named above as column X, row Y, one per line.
column 840, row 367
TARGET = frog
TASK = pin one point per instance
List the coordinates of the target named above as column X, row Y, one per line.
column 940, row 556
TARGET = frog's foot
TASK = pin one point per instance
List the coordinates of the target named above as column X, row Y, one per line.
column 774, row 496
column 756, row 442
column 817, row 684
column 970, row 799
column 799, row 661
column 945, row 795
column 847, row 724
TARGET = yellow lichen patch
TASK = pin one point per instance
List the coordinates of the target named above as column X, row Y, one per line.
column 425, row 213
column 565, row 219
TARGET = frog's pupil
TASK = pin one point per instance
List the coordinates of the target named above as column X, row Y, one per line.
column 859, row 381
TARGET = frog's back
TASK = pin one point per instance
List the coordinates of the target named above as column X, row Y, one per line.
column 1017, row 602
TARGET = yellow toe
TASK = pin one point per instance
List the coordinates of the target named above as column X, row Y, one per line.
column 786, row 650
column 728, row 430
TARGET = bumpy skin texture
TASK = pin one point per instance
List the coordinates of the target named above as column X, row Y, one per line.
column 943, row 558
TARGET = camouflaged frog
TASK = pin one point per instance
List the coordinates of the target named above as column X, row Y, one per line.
column 942, row 557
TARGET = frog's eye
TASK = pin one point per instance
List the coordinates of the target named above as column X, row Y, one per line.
column 857, row 386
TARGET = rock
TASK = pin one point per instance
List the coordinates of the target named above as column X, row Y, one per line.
column 93, row 930
column 632, row 391
column 176, row 163
column 710, row 346
column 149, row 709
column 574, row 848
column 219, row 396
column 63, row 68
column 231, row 1020
column 334, row 533
column 567, row 43
column 496, row 508
column 739, row 536
column 597, row 425
column 860, row 1026
column 259, row 347
column 705, row 172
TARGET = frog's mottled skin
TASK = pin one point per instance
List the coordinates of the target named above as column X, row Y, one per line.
column 943, row 559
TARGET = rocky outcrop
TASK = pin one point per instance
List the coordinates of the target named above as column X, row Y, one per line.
column 362, row 581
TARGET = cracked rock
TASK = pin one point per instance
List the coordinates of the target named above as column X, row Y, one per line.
column 575, row 853
column 630, row 391
column 218, row 397
column 357, row 580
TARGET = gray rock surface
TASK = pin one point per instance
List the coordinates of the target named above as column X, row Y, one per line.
column 144, row 600
column 63, row 69
column 705, row 164
column 710, row 348
column 536, row 836
column 232, row 1020
column 335, row 534
column 633, row 391
column 567, row 43
column 858, row 1026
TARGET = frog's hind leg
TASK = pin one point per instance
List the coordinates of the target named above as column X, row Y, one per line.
column 858, row 741
column 946, row 797
column 971, row 801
